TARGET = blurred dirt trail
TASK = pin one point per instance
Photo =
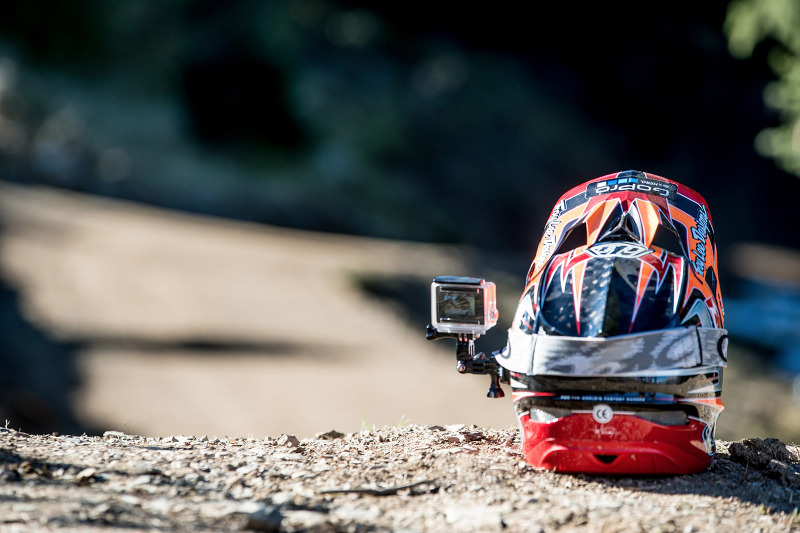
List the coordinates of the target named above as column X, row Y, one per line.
column 201, row 326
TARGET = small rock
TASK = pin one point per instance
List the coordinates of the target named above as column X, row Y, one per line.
column 130, row 499
column 282, row 498
column 247, row 507
column 605, row 503
column 86, row 476
column 329, row 435
column 471, row 436
column 759, row 453
column 288, row 440
column 143, row 468
column 289, row 456
column 115, row 434
column 158, row 505
column 481, row 518
column 358, row 514
column 268, row 518
column 96, row 512
column 781, row 471
column 8, row 475
column 246, row 469
column 141, row 480
column 305, row 520
column 190, row 479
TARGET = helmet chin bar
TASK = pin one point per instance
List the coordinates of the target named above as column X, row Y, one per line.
column 468, row 362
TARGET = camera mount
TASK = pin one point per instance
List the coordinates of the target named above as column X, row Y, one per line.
column 468, row 362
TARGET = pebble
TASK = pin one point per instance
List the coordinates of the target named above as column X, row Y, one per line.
column 288, row 440
column 142, row 468
column 246, row 469
column 130, row 500
column 478, row 517
column 329, row 435
column 305, row 520
column 141, row 480
column 8, row 475
column 86, row 475
column 358, row 514
column 158, row 505
column 282, row 498
column 266, row 518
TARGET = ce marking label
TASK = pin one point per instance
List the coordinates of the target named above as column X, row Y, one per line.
column 602, row 413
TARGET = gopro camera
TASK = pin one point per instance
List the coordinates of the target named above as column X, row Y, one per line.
column 463, row 305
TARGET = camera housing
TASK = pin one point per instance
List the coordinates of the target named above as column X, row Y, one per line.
column 463, row 305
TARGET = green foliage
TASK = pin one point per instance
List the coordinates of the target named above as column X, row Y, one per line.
column 749, row 23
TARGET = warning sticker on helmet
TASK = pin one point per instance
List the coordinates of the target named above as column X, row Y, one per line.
column 619, row 249
column 643, row 185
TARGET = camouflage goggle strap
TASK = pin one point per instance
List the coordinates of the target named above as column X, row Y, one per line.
column 668, row 349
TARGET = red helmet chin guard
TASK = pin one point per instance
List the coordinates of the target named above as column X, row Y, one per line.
column 579, row 444
column 616, row 351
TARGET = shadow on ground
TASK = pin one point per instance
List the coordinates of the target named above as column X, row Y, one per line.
column 37, row 373
column 761, row 472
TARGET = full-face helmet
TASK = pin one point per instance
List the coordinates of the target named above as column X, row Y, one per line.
column 616, row 350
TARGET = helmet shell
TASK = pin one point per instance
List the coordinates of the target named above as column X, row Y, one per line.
column 663, row 225
column 626, row 270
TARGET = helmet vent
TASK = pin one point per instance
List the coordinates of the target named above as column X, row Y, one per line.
column 666, row 239
column 606, row 459
column 665, row 418
column 623, row 230
column 574, row 239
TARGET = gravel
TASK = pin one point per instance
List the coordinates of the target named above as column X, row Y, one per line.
column 411, row 478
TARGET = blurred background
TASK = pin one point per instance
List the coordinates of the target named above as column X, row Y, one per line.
column 223, row 217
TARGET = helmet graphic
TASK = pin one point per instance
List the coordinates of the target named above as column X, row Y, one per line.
column 616, row 351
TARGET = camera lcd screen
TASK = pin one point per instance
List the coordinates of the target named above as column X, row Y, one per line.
column 460, row 305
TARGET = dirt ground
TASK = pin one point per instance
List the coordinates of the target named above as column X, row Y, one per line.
column 412, row 478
